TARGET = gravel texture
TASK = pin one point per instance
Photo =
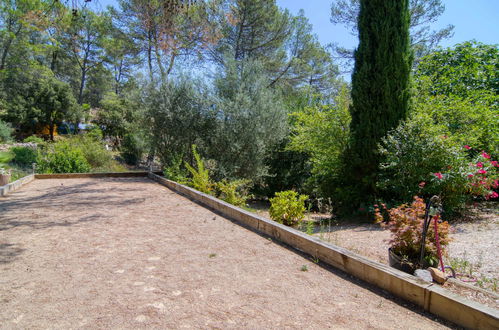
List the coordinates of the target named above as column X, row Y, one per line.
column 129, row 253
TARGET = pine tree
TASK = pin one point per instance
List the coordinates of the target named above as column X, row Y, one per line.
column 380, row 88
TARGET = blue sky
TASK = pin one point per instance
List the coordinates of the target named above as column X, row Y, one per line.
column 473, row 19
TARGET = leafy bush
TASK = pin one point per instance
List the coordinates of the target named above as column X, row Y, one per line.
column 33, row 139
column 132, row 148
column 200, row 177
column 411, row 154
column 287, row 207
column 175, row 172
column 405, row 223
column 24, row 156
column 95, row 133
column 6, row 156
column 62, row 157
column 5, row 132
column 94, row 151
column 233, row 192
column 419, row 159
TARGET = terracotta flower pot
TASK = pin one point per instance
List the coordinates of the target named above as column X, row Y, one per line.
column 4, row 179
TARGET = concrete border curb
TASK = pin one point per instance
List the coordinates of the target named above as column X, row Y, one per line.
column 13, row 186
column 432, row 298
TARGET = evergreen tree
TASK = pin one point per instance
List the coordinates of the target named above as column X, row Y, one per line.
column 380, row 88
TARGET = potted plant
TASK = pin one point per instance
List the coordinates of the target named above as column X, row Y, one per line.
column 405, row 223
column 4, row 176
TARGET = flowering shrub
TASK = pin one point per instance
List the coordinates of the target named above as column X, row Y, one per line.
column 405, row 223
column 287, row 207
column 419, row 159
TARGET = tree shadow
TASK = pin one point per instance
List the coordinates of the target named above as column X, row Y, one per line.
column 9, row 252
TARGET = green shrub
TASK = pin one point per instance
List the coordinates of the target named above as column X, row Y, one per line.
column 200, row 177
column 287, row 207
column 6, row 156
column 33, row 139
column 233, row 192
column 94, row 151
column 5, row 132
column 24, row 156
column 419, row 159
column 132, row 148
column 175, row 172
column 62, row 157
column 95, row 133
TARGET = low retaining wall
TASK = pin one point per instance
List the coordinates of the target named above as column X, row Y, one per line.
column 8, row 188
column 432, row 298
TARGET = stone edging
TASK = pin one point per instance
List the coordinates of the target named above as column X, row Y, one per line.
column 432, row 298
column 8, row 188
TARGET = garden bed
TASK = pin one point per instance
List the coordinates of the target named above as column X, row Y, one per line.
column 474, row 249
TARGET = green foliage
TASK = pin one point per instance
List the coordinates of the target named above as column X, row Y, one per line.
column 132, row 148
column 24, row 156
column 95, row 133
column 200, row 176
column 5, row 132
column 116, row 115
column 419, row 159
column 472, row 121
column 33, row 139
column 380, row 89
column 62, row 157
column 175, row 172
column 251, row 118
column 461, row 70
column 233, row 192
column 322, row 132
column 6, row 156
column 287, row 207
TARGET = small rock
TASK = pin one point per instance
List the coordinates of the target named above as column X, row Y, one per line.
column 423, row 274
column 438, row 275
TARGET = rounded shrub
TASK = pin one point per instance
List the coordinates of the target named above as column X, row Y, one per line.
column 63, row 158
column 24, row 156
column 287, row 207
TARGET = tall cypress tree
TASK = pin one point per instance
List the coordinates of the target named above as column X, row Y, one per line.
column 380, row 88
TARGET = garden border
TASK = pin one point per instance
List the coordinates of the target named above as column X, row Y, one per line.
column 13, row 186
column 432, row 298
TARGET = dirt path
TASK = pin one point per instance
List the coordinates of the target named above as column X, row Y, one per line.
column 129, row 253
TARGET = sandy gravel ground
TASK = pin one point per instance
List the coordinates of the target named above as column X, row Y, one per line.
column 129, row 253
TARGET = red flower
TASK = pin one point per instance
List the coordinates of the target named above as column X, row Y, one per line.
column 479, row 164
column 492, row 195
column 495, row 184
column 485, row 155
column 494, row 163
column 470, row 175
column 482, row 171
column 422, row 184
column 438, row 175
column 467, row 147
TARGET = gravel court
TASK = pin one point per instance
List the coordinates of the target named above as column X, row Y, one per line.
column 129, row 253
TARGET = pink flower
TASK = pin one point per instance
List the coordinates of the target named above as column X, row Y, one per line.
column 485, row 155
column 470, row 175
column 495, row 184
column 494, row 163
column 422, row 184
column 482, row 171
column 467, row 147
column 479, row 164
column 438, row 175
column 492, row 195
